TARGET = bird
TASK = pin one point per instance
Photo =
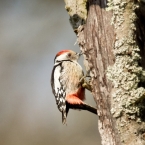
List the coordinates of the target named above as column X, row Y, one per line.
column 66, row 85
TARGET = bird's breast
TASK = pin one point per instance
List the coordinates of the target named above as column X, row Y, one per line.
column 70, row 76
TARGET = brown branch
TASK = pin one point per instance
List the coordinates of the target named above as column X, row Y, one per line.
column 83, row 107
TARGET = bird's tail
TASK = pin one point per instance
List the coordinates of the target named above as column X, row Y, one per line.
column 64, row 115
column 63, row 118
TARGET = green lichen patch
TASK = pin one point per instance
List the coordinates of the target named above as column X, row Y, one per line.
column 77, row 12
column 118, row 7
column 125, row 74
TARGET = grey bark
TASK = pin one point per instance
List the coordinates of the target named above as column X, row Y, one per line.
column 113, row 41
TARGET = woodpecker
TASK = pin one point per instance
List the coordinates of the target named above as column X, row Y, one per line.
column 66, row 85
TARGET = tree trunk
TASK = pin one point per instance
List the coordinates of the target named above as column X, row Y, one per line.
column 113, row 41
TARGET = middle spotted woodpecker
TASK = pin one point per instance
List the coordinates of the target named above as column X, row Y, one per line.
column 66, row 85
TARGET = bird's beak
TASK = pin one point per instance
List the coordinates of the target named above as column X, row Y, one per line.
column 79, row 54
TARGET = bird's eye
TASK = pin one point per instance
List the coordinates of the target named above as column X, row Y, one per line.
column 69, row 54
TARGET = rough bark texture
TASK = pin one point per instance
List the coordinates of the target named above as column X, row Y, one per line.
column 97, row 45
column 114, row 57
column 127, row 74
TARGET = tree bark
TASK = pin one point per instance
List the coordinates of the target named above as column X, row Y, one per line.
column 112, row 39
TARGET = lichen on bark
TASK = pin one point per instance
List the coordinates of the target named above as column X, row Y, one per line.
column 126, row 73
column 77, row 11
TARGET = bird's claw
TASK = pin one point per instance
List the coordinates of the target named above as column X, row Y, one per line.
column 85, row 84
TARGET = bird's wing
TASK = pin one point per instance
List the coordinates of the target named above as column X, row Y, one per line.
column 58, row 88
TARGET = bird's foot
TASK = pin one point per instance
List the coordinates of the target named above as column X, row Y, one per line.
column 85, row 84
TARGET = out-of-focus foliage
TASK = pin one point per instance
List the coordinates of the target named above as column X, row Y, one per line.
column 31, row 32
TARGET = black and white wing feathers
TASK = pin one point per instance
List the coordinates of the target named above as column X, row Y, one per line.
column 59, row 90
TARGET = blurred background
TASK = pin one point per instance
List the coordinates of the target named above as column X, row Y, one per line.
column 31, row 33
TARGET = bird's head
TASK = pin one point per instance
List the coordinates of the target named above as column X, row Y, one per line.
column 66, row 55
